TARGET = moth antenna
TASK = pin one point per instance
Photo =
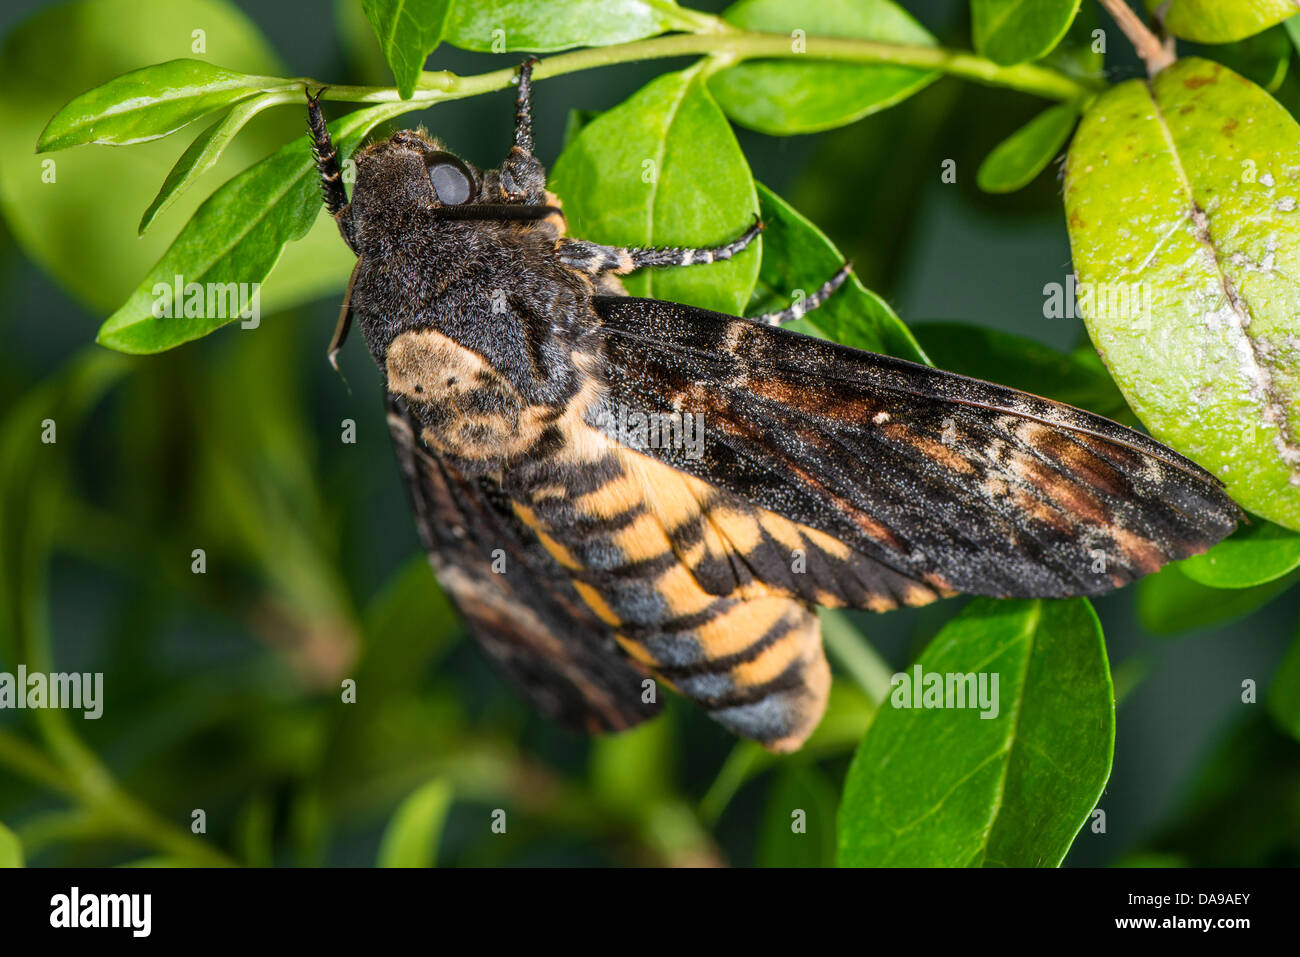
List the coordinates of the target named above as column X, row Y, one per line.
column 523, row 179
column 524, row 107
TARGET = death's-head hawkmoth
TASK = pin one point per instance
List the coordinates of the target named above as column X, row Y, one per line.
column 589, row 561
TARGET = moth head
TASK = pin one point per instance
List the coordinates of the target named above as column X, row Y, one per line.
column 411, row 170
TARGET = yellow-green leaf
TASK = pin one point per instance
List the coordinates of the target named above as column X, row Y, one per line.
column 1222, row 21
column 501, row 26
column 1253, row 555
column 1013, row 31
column 781, row 97
column 149, row 103
column 1183, row 205
column 206, row 149
column 412, row 836
column 234, row 240
column 1024, row 154
column 11, row 849
column 65, row 49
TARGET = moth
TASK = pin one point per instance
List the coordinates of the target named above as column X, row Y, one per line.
column 589, row 565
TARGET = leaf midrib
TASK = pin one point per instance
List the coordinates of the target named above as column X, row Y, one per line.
column 1263, row 374
column 691, row 76
column 1030, row 636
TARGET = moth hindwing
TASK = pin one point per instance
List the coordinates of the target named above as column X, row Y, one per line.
column 620, row 493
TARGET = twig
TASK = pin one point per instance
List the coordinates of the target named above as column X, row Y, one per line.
column 1154, row 54
column 735, row 46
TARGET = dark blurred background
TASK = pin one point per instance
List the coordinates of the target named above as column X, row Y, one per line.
column 222, row 689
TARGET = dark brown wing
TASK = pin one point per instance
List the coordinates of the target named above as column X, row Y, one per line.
column 527, row 617
column 925, row 475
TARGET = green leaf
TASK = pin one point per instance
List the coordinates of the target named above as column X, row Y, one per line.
column 1263, row 58
column 1079, row 53
column 502, row 26
column 1182, row 199
column 663, row 169
column 798, row 258
column 892, row 151
column 408, row 31
column 206, row 149
column 415, row 829
column 1024, row 154
column 149, row 103
column 782, row 97
column 75, row 213
column 1020, row 363
column 1284, row 693
column 1292, row 27
column 632, row 771
column 11, row 849
column 235, row 237
column 947, row 787
column 798, row 827
column 1213, row 21
column 1170, row 603
column 1013, row 31
column 1253, row 555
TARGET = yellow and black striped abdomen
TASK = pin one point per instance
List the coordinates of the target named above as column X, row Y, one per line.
column 637, row 537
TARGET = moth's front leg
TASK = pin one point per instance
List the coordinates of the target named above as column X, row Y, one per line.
column 594, row 258
column 327, row 165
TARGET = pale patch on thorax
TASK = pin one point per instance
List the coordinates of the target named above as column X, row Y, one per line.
column 470, row 409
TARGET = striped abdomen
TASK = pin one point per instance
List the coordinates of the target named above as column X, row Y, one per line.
column 640, row 541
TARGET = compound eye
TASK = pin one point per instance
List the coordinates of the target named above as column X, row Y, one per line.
column 451, row 181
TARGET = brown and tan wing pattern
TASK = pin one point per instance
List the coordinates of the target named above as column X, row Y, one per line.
column 528, row 618
column 939, row 480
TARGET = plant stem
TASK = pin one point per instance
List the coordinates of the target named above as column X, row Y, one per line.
column 31, row 763
column 734, row 46
column 89, row 783
column 847, row 645
column 1154, row 54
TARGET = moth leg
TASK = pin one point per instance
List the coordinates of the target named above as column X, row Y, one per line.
column 523, row 178
column 327, row 163
column 594, row 258
column 800, row 308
